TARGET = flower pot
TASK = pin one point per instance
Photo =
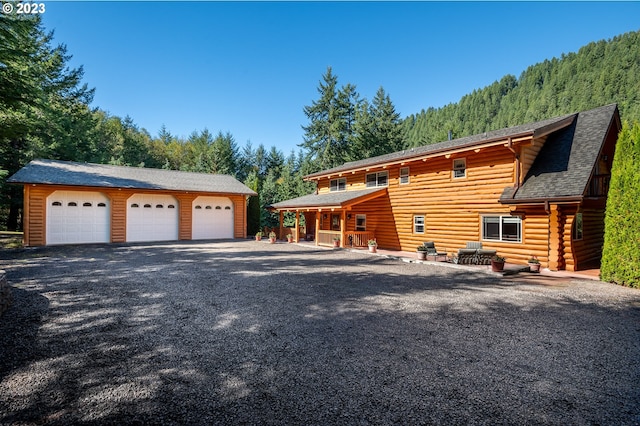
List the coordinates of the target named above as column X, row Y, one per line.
column 258, row 238
column 534, row 267
column 336, row 243
column 272, row 240
column 497, row 266
column 290, row 239
column 422, row 255
column 373, row 249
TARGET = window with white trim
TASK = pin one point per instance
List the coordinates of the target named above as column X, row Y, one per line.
column 361, row 222
column 459, row 168
column 418, row 224
column 338, row 185
column 502, row 228
column 377, row 179
column 404, row 175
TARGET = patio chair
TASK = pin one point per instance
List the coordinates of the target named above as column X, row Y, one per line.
column 431, row 251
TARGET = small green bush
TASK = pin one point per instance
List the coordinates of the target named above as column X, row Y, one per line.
column 621, row 251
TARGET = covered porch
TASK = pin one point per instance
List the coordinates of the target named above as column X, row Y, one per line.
column 329, row 218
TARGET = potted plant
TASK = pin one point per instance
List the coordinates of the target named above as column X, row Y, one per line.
column 373, row 246
column 422, row 252
column 272, row 237
column 289, row 238
column 534, row 264
column 497, row 263
column 258, row 235
column 336, row 241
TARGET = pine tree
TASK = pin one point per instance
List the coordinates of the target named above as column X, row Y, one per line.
column 331, row 117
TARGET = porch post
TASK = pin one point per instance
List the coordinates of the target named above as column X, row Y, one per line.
column 318, row 213
column 281, row 223
column 342, row 226
column 297, row 235
column 556, row 238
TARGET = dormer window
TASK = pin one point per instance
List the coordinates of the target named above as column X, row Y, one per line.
column 338, row 184
column 377, row 179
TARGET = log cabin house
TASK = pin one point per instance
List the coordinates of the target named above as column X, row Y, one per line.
column 80, row 203
column 537, row 189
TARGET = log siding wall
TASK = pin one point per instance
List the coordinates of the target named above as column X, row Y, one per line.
column 453, row 207
column 35, row 211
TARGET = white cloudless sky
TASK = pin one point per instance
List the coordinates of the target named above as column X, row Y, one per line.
column 249, row 68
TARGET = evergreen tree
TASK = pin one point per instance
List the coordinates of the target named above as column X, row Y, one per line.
column 377, row 128
column 253, row 205
column 331, row 117
column 43, row 105
column 621, row 250
column 224, row 154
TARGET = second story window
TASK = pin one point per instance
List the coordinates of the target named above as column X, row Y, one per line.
column 459, row 168
column 404, row 175
column 338, row 184
column 377, row 179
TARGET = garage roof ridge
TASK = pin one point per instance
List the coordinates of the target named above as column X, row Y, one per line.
column 57, row 172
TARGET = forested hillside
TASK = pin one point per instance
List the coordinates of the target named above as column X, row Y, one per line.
column 45, row 113
column 601, row 73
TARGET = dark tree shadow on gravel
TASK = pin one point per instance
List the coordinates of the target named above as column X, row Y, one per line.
column 250, row 333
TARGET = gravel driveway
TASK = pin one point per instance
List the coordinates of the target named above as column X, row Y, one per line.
column 244, row 332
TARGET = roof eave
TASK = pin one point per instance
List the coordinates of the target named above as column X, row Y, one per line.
column 537, row 201
column 343, row 205
column 423, row 156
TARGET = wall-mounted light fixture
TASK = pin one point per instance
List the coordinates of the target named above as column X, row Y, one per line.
column 349, row 216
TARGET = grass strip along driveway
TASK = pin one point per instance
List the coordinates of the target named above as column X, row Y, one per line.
column 244, row 332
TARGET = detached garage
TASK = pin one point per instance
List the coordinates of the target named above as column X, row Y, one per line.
column 80, row 203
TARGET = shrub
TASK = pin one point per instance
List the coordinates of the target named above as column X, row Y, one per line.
column 621, row 250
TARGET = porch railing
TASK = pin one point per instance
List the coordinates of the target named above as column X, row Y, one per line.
column 325, row 238
column 357, row 238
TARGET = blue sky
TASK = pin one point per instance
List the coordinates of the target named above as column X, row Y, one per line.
column 249, row 68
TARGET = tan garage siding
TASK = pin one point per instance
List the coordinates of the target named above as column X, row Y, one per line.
column 239, row 215
column 118, row 214
column 35, row 212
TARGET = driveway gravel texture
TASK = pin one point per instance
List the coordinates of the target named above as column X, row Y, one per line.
column 246, row 332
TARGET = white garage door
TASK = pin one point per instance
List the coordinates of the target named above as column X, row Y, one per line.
column 152, row 218
column 77, row 217
column 212, row 218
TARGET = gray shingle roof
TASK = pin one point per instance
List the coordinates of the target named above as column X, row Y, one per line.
column 565, row 163
column 54, row 172
column 339, row 198
column 467, row 141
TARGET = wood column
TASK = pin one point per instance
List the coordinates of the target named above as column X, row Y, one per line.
column 556, row 238
column 296, row 237
column 343, row 220
column 281, row 224
column 318, row 213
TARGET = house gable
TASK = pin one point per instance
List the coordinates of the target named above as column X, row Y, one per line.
column 566, row 162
